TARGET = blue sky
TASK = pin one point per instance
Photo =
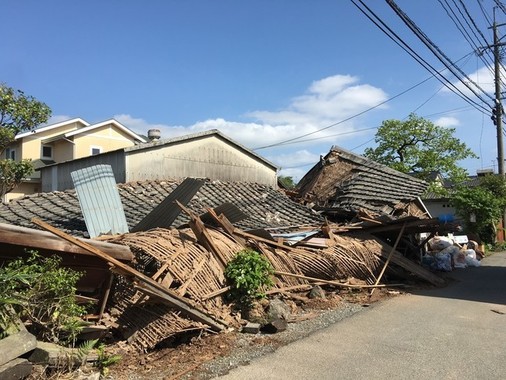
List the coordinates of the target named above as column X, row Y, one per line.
column 262, row 72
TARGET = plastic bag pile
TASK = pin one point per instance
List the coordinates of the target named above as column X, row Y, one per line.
column 445, row 255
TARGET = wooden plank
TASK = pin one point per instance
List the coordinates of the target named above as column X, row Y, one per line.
column 216, row 293
column 105, row 296
column 169, row 297
column 222, row 221
column 391, row 253
column 31, row 238
column 389, row 256
column 335, row 283
column 289, row 288
column 16, row 345
column 203, row 236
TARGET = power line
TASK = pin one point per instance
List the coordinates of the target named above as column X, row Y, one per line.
column 342, row 121
column 438, row 53
column 403, row 45
column 296, row 140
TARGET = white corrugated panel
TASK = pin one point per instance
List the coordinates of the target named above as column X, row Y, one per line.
column 99, row 200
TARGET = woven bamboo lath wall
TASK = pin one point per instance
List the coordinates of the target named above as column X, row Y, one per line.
column 186, row 267
column 149, row 324
column 282, row 261
column 348, row 257
column 356, row 257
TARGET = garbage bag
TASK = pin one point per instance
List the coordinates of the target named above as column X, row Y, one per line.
column 439, row 243
column 443, row 262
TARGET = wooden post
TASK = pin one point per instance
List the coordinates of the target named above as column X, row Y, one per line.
column 389, row 256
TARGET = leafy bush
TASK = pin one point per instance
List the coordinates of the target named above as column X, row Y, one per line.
column 486, row 202
column 43, row 293
column 248, row 274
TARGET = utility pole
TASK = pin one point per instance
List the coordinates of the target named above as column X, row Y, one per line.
column 498, row 110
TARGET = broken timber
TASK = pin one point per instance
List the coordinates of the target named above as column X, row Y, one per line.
column 202, row 235
column 398, row 259
column 335, row 283
column 389, row 256
column 28, row 237
column 152, row 287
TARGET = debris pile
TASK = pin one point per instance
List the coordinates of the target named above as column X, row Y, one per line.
column 156, row 282
column 444, row 254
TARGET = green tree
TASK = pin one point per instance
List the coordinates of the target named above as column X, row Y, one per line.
column 420, row 147
column 482, row 207
column 18, row 113
column 287, row 181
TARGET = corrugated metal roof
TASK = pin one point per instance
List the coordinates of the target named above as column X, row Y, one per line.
column 99, row 200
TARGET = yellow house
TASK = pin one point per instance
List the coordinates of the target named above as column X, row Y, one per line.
column 64, row 141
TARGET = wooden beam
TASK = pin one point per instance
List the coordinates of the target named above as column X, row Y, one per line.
column 31, row 238
column 222, row 221
column 335, row 283
column 389, row 256
column 398, row 259
column 172, row 299
column 216, row 293
column 203, row 237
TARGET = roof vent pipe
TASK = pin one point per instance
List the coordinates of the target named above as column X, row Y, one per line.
column 154, row 134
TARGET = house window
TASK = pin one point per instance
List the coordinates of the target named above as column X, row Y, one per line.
column 96, row 150
column 47, row 151
column 10, row 153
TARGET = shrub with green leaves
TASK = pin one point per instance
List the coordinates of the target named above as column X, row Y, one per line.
column 43, row 293
column 248, row 273
column 487, row 202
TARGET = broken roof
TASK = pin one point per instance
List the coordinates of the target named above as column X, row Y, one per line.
column 344, row 182
column 265, row 206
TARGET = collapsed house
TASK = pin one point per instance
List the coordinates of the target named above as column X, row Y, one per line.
column 349, row 188
column 344, row 185
column 162, row 272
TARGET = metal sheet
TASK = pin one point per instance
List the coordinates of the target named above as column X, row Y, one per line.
column 99, row 200
column 167, row 211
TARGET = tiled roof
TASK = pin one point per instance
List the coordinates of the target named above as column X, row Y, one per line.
column 346, row 182
column 265, row 206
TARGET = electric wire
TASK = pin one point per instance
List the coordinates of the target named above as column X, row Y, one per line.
column 401, row 43
column 438, row 53
column 483, row 52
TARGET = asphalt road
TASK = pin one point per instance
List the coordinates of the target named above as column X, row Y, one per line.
column 456, row 332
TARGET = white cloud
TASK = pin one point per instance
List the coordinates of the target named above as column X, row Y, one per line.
column 447, row 121
column 294, row 159
column 483, row 77
column 326, row 102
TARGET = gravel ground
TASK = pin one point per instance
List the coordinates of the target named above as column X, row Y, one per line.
column 251, row 346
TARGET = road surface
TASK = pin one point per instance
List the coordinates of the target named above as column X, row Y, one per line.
column 456, row 332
